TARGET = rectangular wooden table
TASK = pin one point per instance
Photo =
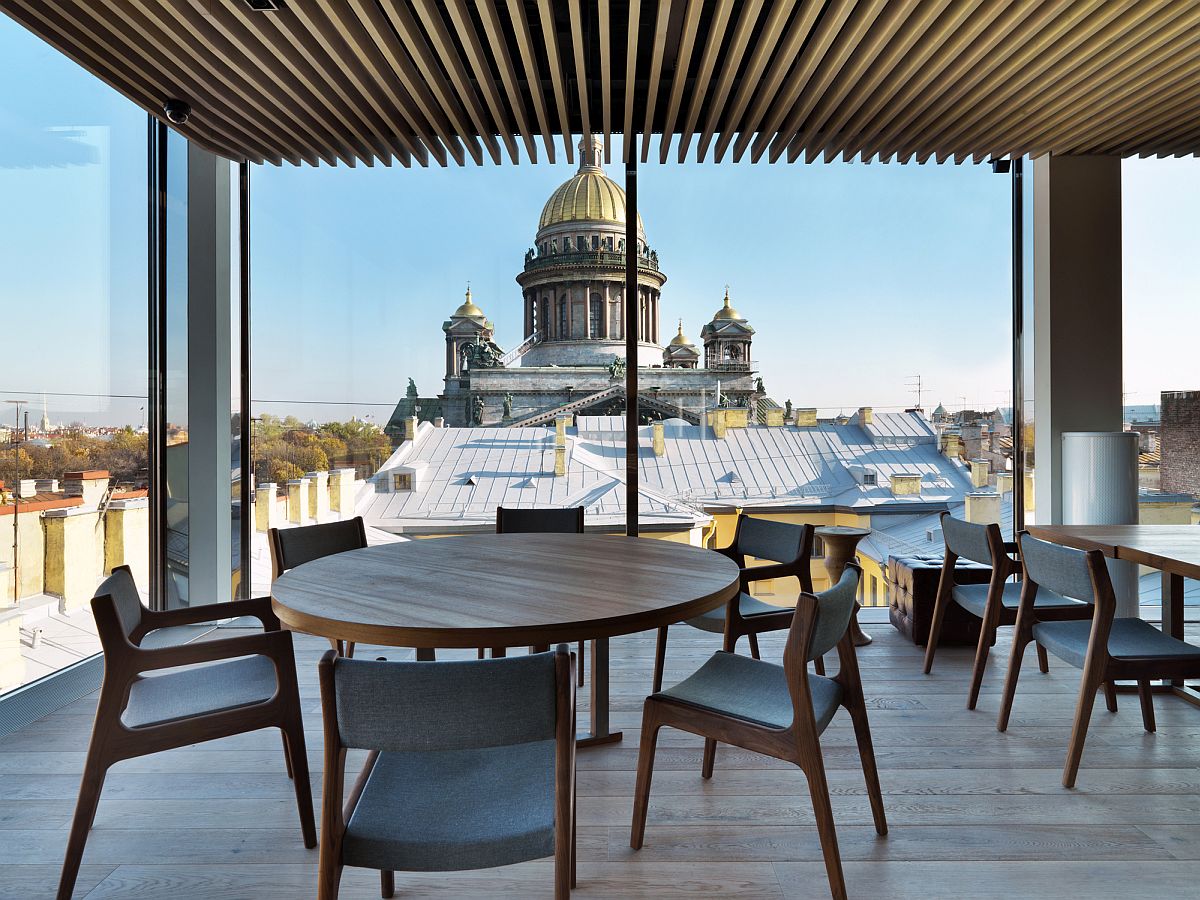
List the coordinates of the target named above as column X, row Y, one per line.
column 1172, row 549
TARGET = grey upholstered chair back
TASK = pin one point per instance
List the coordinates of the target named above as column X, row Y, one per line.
column 405, row 706
column 296, row 546
column 835, row 606
column 121, row 588
column 966, row 539
column 1058, row 569
column 779, row 542
column 539, row 521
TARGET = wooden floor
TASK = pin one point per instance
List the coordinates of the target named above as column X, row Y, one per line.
column 967, row 806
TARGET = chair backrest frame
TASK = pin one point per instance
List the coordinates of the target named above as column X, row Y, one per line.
column 752, row 533
column 349, row 534
column 539, row 520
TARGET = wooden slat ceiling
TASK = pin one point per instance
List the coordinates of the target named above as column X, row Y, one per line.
column 457, row 81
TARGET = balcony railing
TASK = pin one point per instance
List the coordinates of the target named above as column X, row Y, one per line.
column 608, row 258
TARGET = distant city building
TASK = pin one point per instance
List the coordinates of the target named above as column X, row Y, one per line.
column 571, row 357
column 1179, row 442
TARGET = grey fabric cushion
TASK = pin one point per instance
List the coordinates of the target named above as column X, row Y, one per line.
column 967, row 540
column 1060, row 569
column 714, row 619
column 752, row 690
column 973, row 598
column 763, row 539
column 455, row 810
column 300, row 545
column 1128, row 639
column 181, row 693
column 445, row 706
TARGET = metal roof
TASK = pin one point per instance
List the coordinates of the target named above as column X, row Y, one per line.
column 448, row 81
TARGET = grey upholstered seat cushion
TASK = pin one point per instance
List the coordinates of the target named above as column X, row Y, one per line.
column 449, row 810
column 181, row 693
column 1128, row 639
column 714, row 619
column 752, row 690
column 973, row 598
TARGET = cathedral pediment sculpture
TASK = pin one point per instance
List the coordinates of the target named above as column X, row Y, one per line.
column 482, row 354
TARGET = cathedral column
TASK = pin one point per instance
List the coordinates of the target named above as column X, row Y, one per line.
column 654, row 315
column 607, row 312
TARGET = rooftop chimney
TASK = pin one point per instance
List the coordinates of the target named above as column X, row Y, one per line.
column 806, row 418
column 718, row 423
column 658, row 439
column 560, row 461
column 1004, row 483
column 774, row 418
column 906, row 484
column 865, row 415
column 983, row 508
column 980, row 469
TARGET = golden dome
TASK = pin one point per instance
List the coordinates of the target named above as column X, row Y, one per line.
column 727, row 311
column 469, row 310
column 680, row 340
column 589, row 196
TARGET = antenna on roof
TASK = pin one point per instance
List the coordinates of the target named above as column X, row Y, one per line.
column 915, row 385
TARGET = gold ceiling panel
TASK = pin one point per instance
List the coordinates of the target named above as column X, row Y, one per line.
column 450, row 81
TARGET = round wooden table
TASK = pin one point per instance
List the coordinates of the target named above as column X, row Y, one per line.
column 506, row 590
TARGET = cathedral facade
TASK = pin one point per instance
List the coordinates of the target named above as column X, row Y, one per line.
column 571, row 357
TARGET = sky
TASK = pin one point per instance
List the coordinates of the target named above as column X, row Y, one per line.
column 856, row 277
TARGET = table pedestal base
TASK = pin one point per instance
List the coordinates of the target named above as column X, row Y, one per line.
column 599, row 733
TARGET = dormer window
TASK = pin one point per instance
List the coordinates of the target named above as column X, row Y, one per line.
column 402, row 481
column 870, row 479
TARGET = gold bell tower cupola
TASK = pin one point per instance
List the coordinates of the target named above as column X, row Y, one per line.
column 727, row 339
column 466, row 330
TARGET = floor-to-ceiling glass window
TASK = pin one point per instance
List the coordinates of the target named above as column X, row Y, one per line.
column 73, row 374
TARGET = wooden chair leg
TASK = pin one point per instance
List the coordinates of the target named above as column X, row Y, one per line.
column 499, row 652
column 349, row 649
column 754, row 646
column 1147, row 698
column 935, row 628
column 574, row 831
column 660, row 659
column 297, row 757
column 645, row 773
column 1083, row 715
column 90, row 786
column 986, row 637
column 387, row 883
column 1020, row 641
column 482, row 654
column 710, row 758
column 818, row 789
column 1043, row 660
column 579, row 669
column 329, row 879
column 1110, row 695
column 287, row 753
column 539, row 648
column 819, row 665
column 866, row 754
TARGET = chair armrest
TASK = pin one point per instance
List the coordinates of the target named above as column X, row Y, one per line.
column 762, row 573
column 256, row 607
column 729, row 551
column 264, row 643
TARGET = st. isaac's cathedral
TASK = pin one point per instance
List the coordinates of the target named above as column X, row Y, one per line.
column 571, row 358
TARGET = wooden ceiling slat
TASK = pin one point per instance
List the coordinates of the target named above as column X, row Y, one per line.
column 1101, row 107
column 1042, row 97
column 102, row 67
column 430, row 16
column 658, row 49
column 631, row 55
column 846, row 68
column 946, row 69
column 581, row 79
column 1032, row 64
column 604, row 32
column 378, row 31
column 899, row 48
column 401, row 18
column 1035, row 34
column 245, row 49
column 508, row 73
column 748, row 16
column 357, row 82
column 557, row 84
column 460, row 16
column 764, row 47
column 954, row 31
column 833, row 17
column 708, row 61
column 213, row 84
column 348, row 81
column 683, row 63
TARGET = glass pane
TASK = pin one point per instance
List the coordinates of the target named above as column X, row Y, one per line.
column 845, row 359
column 175, row 279
column 1161, row 268
column 73, row 443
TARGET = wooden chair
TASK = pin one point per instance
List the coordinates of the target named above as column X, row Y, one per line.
column 779, row 711
column 472, row 766
column 291, row 547
column 250, row 683
column 789, row 547
column 994, row 603
column 567, row 520
column 1105, row 648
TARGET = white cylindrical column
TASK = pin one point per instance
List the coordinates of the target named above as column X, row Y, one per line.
column 1100, row 487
